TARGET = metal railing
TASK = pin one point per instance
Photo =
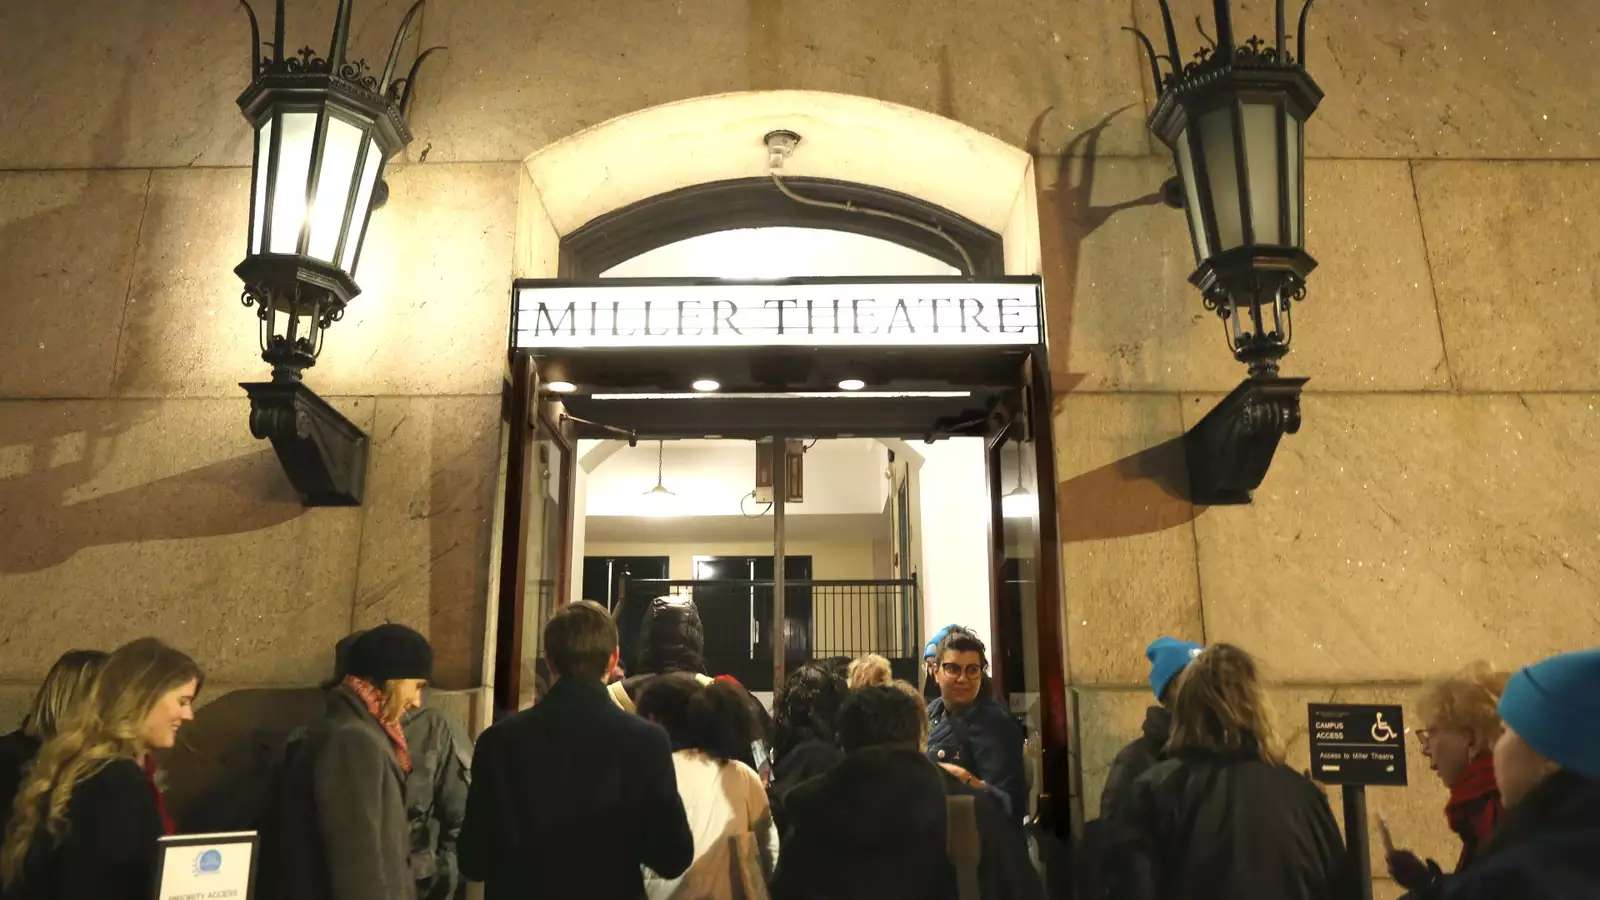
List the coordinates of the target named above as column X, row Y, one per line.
column 826, row 618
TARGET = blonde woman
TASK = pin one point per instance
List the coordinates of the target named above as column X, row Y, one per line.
column 1461, row 723
column 339, row 828
column 88, row 815
column 1222, row 816
column 66, row 685
column 867, row 670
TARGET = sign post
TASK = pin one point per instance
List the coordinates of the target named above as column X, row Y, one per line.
column 1354, row 745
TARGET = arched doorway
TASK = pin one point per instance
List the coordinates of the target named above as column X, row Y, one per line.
column 667, row 175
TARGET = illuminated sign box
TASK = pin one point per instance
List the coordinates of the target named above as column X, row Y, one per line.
column 815, row 312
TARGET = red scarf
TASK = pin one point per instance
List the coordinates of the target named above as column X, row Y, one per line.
column 168, row 826
column 373, row 699
column 1474, row 807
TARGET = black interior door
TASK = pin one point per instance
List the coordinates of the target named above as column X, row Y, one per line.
column 738, row 614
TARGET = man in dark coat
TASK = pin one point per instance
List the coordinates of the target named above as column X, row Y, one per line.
column 876, row 825
column 570, row 798
column 1168, row 657
column 970, row 733
column 1547, row 765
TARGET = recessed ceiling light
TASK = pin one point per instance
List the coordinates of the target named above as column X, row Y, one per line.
column 560, row 387
column 705, row 385
column 852, row 384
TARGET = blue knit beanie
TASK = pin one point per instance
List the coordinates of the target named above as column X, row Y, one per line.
column 1168, row 656
column 1554, row 705
column 931, row 648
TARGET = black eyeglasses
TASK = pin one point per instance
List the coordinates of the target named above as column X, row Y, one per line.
column 956, row 670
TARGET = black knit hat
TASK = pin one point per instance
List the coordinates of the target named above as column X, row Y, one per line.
column 390, row 651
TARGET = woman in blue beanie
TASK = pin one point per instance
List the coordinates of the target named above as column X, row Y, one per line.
column 1547, row 764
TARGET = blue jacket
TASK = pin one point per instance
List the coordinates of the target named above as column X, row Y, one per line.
column 985, row 740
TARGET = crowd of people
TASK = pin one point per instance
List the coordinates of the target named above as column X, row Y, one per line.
column 667, row 782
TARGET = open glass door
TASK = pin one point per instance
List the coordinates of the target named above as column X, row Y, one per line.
column 534, row 578
column 1027, row 667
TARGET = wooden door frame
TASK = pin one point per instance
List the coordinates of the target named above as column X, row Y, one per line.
column 523, row 414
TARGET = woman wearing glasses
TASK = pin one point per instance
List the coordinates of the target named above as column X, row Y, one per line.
column 970, row 734
column 1461, row 727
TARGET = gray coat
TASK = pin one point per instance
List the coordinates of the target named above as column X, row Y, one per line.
column 341, row 830
column 436, row 800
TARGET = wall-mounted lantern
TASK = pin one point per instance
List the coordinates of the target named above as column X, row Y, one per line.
column 1234, row 119
column 324, row 127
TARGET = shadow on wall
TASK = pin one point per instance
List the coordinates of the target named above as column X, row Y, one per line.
column 43, row 525
column 1067, row 216
column 220, row 774
column 1149, row 490
column 1138, row 494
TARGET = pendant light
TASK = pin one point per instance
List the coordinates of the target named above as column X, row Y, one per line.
column 658, row 501
column 1019, row 502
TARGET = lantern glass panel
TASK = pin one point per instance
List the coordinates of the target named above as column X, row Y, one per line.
column 1266, row 166
column 289, row 189
column 1191, row 198
column 362, row 210
column 339, row 151
column 1296, row 157
column 259, row 200
column 1222, row 173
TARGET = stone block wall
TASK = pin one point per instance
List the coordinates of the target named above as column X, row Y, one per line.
column 1438, row 505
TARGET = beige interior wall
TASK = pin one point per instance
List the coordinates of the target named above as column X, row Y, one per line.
column 1439, row 503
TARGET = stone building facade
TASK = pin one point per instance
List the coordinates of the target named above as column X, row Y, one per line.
column 1440, row 504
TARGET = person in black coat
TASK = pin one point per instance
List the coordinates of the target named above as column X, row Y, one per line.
column 1168, row 657
column 1223, row 816
column 803, row 730
column 970, row 734
column 570, row 798
column 88, row 816
column 877, row 825
column 1547, row 766
column 66, row 685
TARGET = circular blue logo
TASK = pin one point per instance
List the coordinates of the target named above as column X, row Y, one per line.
column 209, row 862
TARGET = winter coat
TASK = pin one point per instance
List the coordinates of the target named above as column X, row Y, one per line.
column 1135, row 759
column 17, row 751
column 732, row 827
column 436, row 801
column 108, row 851
column 807, row 760
column 338, row 826
column 875, row 826
column 1203, row 826
column 1547, row 848
column 985, row 740
column 569, row 798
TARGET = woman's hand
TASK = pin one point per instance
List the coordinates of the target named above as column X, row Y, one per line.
column 963, row 776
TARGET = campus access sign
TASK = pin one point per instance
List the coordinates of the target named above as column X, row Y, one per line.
column 1357, row 744
column 794, row 313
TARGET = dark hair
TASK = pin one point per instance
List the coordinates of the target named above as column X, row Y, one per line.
column 807, row 706
column 579, row 640
column 962, row 641
column 880, row 714
column 711, row 718
column 671, row 638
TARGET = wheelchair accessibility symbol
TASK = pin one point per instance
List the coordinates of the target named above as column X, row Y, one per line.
column 1381, row 732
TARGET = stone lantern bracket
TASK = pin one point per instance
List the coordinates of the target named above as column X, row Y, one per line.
column 323, row 453
column 1230, row 450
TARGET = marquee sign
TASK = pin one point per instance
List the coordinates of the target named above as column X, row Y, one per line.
column 796, row 313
